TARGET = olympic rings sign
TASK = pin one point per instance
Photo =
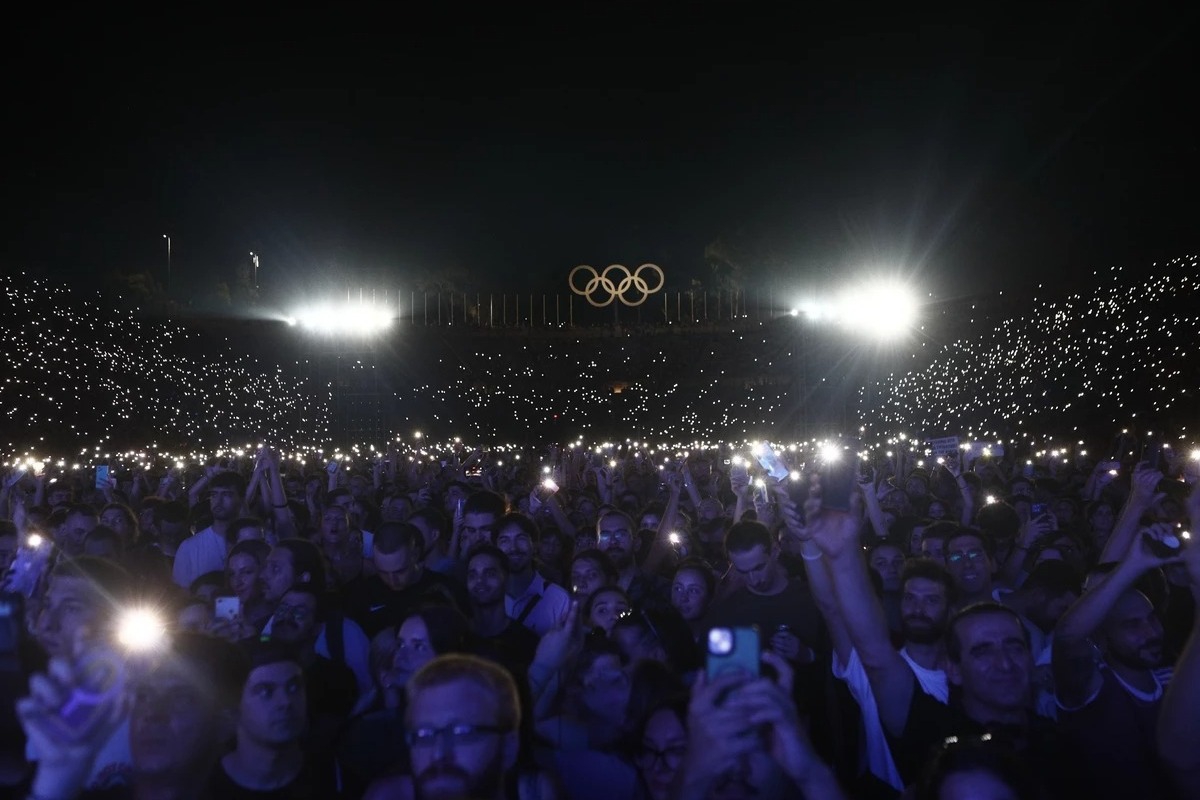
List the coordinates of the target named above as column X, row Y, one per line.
column 602, row 283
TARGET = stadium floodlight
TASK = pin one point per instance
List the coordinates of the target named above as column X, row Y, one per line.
column 347, row 319
column 881, row 309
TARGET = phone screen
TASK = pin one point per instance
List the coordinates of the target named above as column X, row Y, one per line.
column 229, row 608
column 102, row 476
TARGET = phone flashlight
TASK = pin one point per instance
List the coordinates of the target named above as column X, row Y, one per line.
column 549, row 485
column 35, row 540
column 673, row 538
column 140, row 629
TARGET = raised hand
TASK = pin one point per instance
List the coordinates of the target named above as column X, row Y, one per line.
column 1144, row 488
column 1035, row 530
column 66, row 724
column 768, row 706
column 834, row 532
column 562, row 642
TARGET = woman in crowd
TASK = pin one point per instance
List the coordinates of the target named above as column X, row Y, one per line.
column 660, row 746
column 604, row 606
column 692, row 590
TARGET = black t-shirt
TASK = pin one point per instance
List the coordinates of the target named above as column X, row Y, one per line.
column 930, row 723
column 375, row 607
column 514, row 648
column 793, row 607
column 330, row 688
column 315, row 781
column 1116, row 735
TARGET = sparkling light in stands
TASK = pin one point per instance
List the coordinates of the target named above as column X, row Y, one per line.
column 1124, row 350
column 73, row 363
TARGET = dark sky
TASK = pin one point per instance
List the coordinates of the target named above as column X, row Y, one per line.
column 971, row 152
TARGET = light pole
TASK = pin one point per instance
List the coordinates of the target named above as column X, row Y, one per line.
column 168, row 238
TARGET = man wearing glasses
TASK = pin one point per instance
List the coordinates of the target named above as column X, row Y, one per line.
column 970, row 563
column 462, row 729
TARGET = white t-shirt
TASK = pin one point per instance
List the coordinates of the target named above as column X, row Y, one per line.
column 549, row 609
column 878, row 754
column 198, row 554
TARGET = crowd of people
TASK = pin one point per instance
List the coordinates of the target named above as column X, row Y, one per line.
column 991, row 627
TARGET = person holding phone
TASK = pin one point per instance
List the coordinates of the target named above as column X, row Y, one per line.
column 770, row 599
column 744, row 738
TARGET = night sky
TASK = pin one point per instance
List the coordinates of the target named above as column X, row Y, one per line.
column 969, row 153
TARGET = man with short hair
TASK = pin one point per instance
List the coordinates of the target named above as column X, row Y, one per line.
column 531, row 599
column 1108, row 709
column 205, row 551
column 180, row 717
column 79, row 521
column 400, row 585
column 298, row 561
column 84, row 596
column 879, row 677
column 331, row 686
column 782, row 608
column 271, row 721
column 396, row 507
column 616, row 538
column 987, row 657
column 480, row 513
column 511, row 643
column 463, row 718
column 435, row 529
column 969, row 560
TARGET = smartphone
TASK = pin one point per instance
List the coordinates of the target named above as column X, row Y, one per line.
column 1168, row 547
column 838, row 476
column 733, row 650
column 1037, row 509
column 102, row 476
column 227, row 608
column 331, row 467
column 770, row 462
column 1152, row 454
column 739, row 469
